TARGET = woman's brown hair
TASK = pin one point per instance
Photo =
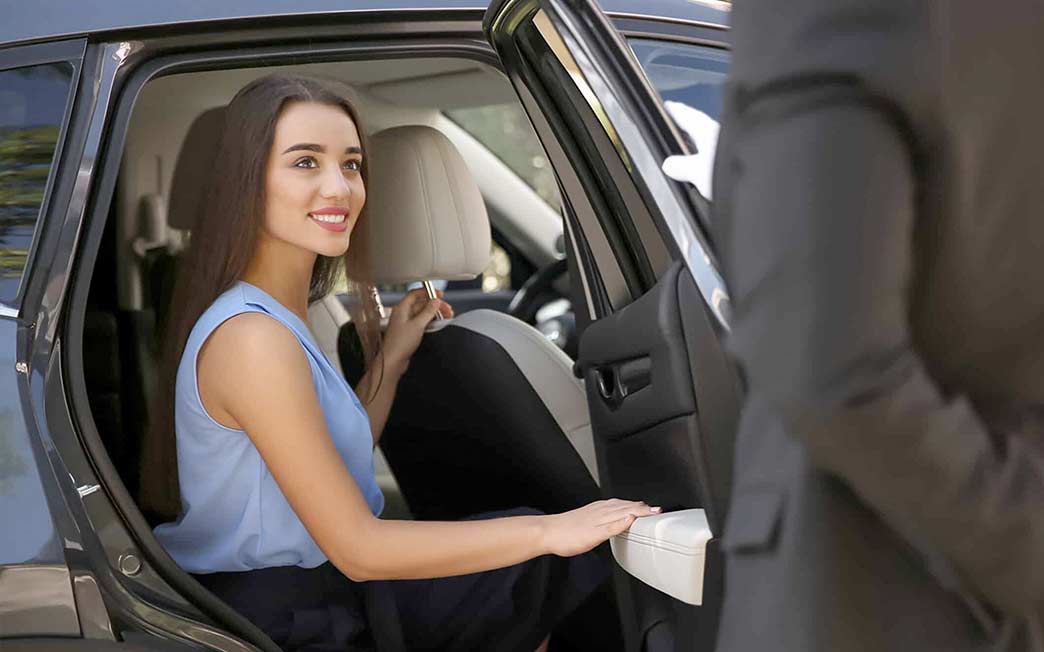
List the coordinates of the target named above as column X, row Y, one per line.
column 221, row 245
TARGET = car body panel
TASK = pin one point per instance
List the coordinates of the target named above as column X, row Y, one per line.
column 37, row 581
column 50, row 19
column 35, row 585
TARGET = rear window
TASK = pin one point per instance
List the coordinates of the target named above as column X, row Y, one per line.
column 33, row 103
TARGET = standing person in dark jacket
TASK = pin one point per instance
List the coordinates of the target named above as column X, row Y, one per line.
column 879, row 197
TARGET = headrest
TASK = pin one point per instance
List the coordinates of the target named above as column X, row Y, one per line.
column 425, row 214
column 192, row 170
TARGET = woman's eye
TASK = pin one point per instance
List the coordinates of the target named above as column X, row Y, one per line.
column 353, row 164
column 306, row 163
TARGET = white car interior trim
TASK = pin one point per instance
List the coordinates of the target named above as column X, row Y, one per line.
column 668, row 552
column 547, row 368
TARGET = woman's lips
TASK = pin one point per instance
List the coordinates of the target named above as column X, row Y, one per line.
column 332, row 226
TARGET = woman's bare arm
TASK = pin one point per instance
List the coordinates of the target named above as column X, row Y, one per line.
column 256, row 371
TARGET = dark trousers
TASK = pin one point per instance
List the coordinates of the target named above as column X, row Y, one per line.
column 319, row 609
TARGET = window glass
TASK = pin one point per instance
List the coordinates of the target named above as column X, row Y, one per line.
column 691, row 75
column 32, row 109
column 505, row 130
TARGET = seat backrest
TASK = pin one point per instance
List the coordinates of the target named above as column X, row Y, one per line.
column 488, row 415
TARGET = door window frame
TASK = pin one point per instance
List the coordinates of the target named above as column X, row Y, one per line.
column 606, row 84
column 69, row 52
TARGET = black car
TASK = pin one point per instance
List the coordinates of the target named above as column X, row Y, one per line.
column 610, row 307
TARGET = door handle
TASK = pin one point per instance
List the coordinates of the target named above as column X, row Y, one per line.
column 605, row 380
column 617, row 381
column 634, row 375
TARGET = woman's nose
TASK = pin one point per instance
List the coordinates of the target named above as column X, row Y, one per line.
column 334, row 185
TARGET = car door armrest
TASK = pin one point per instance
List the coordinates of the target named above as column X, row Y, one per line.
column 667, row 552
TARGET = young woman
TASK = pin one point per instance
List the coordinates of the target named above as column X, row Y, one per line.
column 263, row 464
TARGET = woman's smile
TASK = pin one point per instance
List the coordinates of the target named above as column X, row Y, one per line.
column 331, row 218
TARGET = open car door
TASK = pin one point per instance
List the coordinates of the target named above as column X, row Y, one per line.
column 651, row 303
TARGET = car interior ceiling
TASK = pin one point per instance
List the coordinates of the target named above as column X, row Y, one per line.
column 136, row 265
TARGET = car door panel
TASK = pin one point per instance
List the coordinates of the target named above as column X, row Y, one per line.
column 652, row 444
column 662, row 394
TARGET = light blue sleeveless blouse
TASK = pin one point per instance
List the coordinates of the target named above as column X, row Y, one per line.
column 234, row 516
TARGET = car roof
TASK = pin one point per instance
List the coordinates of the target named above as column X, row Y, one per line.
column 51, row 19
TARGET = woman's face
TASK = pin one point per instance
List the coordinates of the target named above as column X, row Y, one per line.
column 314, row 187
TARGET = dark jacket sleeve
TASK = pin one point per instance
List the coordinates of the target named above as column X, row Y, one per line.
column 820, row 165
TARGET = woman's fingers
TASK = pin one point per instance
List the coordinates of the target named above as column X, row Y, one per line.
column 621, row 519
column 406, row 307
column 428, row 310
column 416, row 304
column 633, row 509
column 619, row 525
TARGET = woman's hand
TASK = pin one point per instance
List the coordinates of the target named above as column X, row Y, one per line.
column 406, row 327
column 575, row 532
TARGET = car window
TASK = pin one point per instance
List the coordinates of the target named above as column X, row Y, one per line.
column 33, row 101
column 505, row 130
column 691, row 74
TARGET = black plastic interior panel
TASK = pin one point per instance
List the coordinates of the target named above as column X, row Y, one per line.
column 656, row 372
column 648, row 335
column 719, row 397
column 664, row 401
column 663, row 453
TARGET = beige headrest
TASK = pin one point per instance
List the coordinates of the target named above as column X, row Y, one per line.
column 426, row 217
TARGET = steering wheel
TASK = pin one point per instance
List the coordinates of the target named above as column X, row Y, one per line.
column 527, row 300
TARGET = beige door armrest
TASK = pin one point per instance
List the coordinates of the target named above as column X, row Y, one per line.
column 667, row 552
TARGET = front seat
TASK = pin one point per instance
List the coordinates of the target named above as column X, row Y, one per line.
column 488, row 415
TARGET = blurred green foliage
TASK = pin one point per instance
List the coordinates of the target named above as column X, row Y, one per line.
column 505, row 130
column 25, row 161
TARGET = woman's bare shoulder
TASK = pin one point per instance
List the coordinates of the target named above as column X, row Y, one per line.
column 250, row 337
column 247, row 358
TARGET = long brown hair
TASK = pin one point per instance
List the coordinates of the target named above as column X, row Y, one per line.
column 222, row 243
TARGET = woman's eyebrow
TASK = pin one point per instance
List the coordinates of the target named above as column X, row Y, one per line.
column 312, row 147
